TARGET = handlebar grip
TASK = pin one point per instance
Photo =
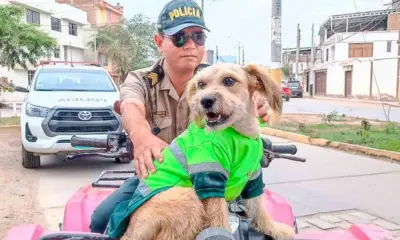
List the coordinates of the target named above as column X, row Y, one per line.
column 88, row 142
column 284, row 149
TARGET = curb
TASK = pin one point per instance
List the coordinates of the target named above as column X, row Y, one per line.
column 327, row 143
column 10, row 126
column 353, row 100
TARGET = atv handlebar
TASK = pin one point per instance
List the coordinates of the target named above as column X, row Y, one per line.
column 118, row 145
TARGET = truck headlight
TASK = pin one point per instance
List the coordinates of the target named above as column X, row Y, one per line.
column 36, row 111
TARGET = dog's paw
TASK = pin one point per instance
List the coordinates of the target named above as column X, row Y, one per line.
column 280, row 230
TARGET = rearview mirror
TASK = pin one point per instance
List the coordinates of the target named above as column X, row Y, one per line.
column 21, row 89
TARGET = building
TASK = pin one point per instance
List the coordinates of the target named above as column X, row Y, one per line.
column 62, row 22
column 208, row 57
column 358, row 56
column 226, row 59
column 99, row 13
column 289, row 58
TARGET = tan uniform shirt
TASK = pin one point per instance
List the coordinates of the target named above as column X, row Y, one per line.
column 170, row 112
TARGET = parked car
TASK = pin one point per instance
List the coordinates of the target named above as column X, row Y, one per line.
column 296, row 88
column 286, row 92
column 66, row 99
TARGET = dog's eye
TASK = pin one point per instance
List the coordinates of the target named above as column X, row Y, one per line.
column 201, row 85
column 228, row 81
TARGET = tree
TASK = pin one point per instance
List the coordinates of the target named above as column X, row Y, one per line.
column 21, row 42
column 129, row 44
column 286, row 71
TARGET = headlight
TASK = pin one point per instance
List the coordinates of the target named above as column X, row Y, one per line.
column 36, row 111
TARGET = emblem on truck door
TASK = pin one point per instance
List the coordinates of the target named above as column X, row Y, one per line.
column 84, row 115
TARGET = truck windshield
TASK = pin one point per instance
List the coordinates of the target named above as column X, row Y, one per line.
column 74, row 80
column 294, row 84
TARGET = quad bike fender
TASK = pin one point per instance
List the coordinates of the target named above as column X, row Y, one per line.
column 80, row 207
column 26, row 232
column 279, row 208
column 354, row 232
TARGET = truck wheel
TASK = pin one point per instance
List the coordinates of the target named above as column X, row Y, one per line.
column 122, row 160
column 29, row 160
column 287, row 99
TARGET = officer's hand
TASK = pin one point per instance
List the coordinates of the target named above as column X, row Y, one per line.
column 146, row 150
column 262, row 109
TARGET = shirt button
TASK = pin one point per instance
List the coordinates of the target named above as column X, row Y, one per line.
column 180, row 107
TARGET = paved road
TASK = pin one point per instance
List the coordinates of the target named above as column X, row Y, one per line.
column 353, row 109
column 330, row 181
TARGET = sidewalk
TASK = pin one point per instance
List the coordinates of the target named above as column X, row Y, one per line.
column 334, row 188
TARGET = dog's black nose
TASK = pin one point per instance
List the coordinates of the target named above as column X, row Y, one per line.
column 207, row 102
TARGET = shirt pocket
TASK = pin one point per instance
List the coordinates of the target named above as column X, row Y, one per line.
column 165, row 125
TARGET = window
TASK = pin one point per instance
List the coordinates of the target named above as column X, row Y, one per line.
column 360, row 50
column 57, row 52
column 73, row 29
column 31, row 73
column 55, row 24
column 32, row 17
column 88, row 80
column 389, row 46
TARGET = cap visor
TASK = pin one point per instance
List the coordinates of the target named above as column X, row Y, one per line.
column 172, row 31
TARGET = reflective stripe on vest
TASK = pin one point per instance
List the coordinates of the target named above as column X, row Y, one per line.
column 196, row 168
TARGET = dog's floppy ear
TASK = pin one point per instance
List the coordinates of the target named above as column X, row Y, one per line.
column 190, row 92
column 263, row 86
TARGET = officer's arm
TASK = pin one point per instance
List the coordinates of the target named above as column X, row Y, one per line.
column 133, row 96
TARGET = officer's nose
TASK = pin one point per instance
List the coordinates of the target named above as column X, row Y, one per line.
column 207, row 102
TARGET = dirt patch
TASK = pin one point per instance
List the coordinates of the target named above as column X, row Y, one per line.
column 18, row 188
column 328, row 118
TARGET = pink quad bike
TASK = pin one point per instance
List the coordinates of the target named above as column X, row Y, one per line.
column 79, row 208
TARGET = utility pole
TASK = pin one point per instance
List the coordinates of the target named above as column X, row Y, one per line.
column 243, row 56
column 297, row 51
column 216, row 54
column 311, row 83
column 276, row 41
column 238, row 54
column 202, row 6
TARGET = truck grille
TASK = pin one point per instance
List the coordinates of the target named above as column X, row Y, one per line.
column 68, row 121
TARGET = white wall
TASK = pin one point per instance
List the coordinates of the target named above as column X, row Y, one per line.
column 386, row 77
column 361, row 78
column 335, row 80
column 384, row 64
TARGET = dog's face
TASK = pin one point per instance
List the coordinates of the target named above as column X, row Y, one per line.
column 224, row 95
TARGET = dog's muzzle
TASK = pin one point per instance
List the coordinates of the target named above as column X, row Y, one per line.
column 213, row 116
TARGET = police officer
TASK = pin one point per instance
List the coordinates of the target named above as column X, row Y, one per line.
column 153, row 105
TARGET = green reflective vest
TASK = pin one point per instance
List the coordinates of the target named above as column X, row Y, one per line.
column 221, row 164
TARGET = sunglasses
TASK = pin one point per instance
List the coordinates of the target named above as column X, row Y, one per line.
column 179, row 39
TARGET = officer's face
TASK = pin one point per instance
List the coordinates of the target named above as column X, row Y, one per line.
column 183, row 51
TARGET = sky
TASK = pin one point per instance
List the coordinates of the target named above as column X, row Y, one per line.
column 248, row 21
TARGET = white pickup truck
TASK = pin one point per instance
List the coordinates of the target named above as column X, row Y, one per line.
column 64, row 100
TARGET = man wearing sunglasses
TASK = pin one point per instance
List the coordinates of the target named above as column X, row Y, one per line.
column 153, row 105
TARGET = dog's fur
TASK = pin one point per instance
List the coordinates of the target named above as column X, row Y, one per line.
column 178, row 213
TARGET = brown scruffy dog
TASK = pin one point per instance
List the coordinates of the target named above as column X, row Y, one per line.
column 221, row 96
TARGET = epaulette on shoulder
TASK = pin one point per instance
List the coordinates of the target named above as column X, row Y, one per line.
column 154, row 76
